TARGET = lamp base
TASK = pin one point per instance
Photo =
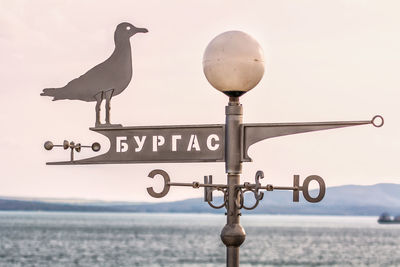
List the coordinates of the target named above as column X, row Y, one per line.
column 234, row 93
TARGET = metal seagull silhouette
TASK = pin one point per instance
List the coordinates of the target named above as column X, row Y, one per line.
column 105, row 80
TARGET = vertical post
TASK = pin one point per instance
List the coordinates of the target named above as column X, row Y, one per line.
column 72, row 145
column 233, row 234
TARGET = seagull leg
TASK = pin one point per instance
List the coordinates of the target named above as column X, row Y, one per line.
column 108, row 96
column 99, row 99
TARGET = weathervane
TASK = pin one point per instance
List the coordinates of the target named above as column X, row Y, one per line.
column 234, row 64
column 106, row 79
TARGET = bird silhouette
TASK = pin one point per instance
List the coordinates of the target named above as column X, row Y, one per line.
column 106, row 79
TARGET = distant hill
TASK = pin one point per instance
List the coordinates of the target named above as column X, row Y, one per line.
column 341, row 200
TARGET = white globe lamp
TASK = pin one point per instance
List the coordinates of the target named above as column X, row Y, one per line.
column 233, row 63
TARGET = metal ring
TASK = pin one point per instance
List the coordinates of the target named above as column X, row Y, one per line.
column 223, row 204
column 376, row 124
column 252, row 207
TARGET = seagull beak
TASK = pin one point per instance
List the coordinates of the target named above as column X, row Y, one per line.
column 144, row 30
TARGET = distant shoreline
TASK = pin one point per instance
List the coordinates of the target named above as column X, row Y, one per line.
column 176, row 213
column 351, row 200
column 348, row 200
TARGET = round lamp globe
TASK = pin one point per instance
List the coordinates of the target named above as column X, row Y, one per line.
column 233, row 63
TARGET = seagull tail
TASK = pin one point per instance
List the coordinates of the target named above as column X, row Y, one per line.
column 50, row 92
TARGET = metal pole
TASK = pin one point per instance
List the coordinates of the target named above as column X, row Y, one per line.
column 233, row 234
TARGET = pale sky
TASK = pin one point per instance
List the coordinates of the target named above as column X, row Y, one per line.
column 325, row 61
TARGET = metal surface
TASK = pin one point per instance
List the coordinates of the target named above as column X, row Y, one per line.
column 107, row 79
column 227, row 142
column 233, row 234
column 257, row 132
column 48, row 145
column 208, row 197
column 305, row 190
column 209, row 143
column 154, row 144
column 166, row 184
column 233, row 122
column 197, row 143
column 96, row 147
column 240, row 189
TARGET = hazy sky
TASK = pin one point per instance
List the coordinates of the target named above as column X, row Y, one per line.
column 325, row 60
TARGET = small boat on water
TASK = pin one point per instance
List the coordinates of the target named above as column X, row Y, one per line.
column 386, row 218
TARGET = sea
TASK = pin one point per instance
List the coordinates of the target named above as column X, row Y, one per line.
column 173, row 239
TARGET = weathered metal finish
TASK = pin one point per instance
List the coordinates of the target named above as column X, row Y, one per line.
column 258, row 195
column 165, row 190
column 305, row 190
column 105, row 80
column 269, row 187
column 227, row 143
column 151, row 144
column 255, row 188
column 207, row 194
column 256, row 132
column 233, row 122
column 48, row 145
column 96, row 147
column 238, row 138
column 233, row 234
column 197, row 143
